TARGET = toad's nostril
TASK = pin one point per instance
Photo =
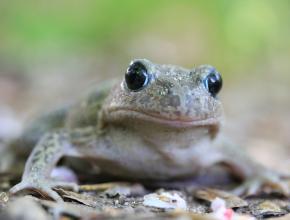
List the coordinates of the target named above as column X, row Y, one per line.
column 170, row 100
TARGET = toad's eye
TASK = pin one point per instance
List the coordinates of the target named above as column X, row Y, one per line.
column 136, row 76
column 213, row 83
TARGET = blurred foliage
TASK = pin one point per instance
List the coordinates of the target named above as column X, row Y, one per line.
column 228, row 33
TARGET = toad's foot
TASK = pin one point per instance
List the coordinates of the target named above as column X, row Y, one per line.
column 268, row 182
column 43, row 187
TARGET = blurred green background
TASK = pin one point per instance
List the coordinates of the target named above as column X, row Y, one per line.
column 236, row 36
column 50, row 51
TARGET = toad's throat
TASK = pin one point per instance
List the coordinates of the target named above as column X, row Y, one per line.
column 118, row 114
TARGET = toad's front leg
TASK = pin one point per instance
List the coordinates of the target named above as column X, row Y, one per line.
column 256, row 177
column 42, row 160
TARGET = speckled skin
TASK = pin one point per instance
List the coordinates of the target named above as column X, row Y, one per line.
column 168, row 129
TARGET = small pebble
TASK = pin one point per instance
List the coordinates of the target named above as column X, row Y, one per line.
column 267, row 209
column 165, row 200
column 64, row 174
column 118, row 191
column 3, row 197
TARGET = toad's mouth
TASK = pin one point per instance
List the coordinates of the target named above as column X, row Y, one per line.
column 121, row 114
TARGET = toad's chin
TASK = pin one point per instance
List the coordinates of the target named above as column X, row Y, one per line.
column 130, row 115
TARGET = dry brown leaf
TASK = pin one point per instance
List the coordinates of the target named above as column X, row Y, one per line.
column 267, row 209
column 232, row 201
column 102, row 186
column 81, row 198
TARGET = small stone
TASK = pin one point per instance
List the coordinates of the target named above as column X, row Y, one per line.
column 165, row 200
column 118, row 191
column 64, row 174
column 267, row 209
column 122, row 200
column 3, row 197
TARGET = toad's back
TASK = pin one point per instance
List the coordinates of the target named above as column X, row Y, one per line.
column 80, row 114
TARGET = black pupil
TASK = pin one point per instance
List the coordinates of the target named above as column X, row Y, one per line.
column 213, row 83
column 136, row 76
